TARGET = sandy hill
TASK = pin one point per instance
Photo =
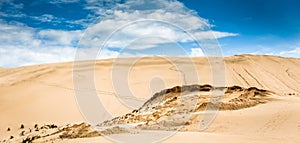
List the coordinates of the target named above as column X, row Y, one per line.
column 173, row 108
column 44, row 94
column 183, row 109
column 178, row 108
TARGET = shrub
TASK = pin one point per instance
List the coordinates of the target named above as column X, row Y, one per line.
column 22, row 133
column 36, row 126
column 22, row 126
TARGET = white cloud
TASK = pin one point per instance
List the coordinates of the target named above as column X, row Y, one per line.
column 16, row 34
column 60, row 37
column 134, row 20
column 100, row 6
column 47, row 18
column 63, row 1
column 213, row 35
column 196, row 52
column 146, row 43
column 12, row 9
column 291, row 53
column 21, row 56
column 23, row 45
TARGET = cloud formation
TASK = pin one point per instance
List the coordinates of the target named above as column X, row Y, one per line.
column 134, row 24
column 22, row 45
column 158, row 21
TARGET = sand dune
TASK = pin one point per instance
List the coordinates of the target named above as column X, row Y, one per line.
column 44, row 94
column 277, row 119
column 181, row 107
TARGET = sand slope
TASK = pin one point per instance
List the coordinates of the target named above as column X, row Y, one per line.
column 44, row 93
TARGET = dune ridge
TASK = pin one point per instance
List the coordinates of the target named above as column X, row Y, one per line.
column 172, row 108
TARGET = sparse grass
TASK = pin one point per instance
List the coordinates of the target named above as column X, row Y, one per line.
column 30, row 139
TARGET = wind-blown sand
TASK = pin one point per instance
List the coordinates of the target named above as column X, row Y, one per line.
column 44, row 94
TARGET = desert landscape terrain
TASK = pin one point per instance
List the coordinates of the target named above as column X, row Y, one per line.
column 261, row 101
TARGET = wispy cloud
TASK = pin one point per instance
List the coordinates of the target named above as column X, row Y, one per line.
column 13, row 9
column 11, row 4
column 285, row 49
column 47, row 18
column 295, row 52
column 62, row 1
column 14, row 15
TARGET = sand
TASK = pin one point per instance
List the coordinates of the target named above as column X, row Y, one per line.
column 276, row 121
column 44, row 94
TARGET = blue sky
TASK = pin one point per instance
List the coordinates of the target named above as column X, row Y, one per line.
column 45, row 31
column 264, row 26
